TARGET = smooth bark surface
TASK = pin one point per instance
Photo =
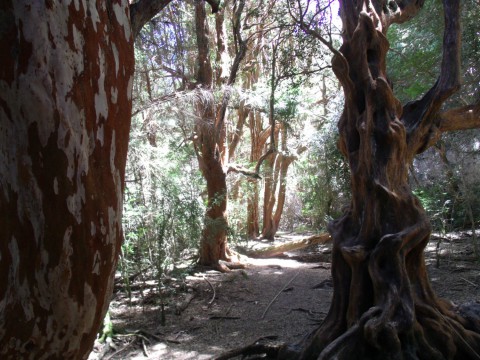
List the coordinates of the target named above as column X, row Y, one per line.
column 65, row 102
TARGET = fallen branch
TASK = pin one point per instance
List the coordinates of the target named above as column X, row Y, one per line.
column 213, row 290
column 265, row 345
column 276, row 250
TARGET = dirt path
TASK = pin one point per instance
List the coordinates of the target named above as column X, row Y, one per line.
column 285, row 298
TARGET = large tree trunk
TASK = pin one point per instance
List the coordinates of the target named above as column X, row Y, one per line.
column 383, row 305
column 65, row 103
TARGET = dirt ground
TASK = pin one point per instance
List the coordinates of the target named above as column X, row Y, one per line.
column 280, row 297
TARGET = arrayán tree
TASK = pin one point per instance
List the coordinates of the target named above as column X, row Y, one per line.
column 66, row 73
column 383, row 305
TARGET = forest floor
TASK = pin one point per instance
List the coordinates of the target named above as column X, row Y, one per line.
column 280, row 297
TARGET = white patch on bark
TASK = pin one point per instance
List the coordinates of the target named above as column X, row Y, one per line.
column 78, row 39
column 20, row 291
column 112, row 225
column 93, row 229
column 55, row 186
column 114, row 94
column 29, row 203
column 130, row 88
column 92, row 6
column 101, row 104
column 96, row 263
column 74, row 205
column 103, row 228
column 100, row 134
column 116, row 57
column 123, row 17
column 112, row 154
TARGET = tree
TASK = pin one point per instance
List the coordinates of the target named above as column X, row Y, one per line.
column 64, row 122
column 210, row 132
column 383, row 305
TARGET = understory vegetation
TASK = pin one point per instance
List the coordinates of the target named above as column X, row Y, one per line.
column 165, row 195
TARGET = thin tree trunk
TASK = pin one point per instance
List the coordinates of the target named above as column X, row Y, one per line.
column 257, row 139
column 269, row 199
column 210, row 127
column 282, row 190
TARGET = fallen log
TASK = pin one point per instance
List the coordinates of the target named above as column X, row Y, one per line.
column 279, row 249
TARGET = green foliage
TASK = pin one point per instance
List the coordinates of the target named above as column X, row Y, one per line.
column 324, row 184
column 162, row 209
column 415, row 52
column 107, row 330
column 438, row 204
column 448, row 208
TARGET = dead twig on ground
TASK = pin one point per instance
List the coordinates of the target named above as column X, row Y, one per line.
column 468, row 281
column 145, row 350
column 278, row 294
column 213, row 289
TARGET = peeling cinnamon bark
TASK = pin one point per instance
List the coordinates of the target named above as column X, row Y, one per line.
column 65, row 100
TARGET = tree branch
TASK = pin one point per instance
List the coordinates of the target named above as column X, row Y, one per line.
column 462, row 118
column 419, row 116
column 143, row 11
column 242, row 170
column 214, row 4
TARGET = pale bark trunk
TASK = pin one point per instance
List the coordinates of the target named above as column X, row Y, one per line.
column 65, row 104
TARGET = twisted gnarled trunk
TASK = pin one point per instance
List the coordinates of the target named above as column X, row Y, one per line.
column 383, row 305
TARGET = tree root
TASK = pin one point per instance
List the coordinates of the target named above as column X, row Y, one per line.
column 266, row 347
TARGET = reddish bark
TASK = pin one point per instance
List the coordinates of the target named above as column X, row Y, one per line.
column 65, row 103
column 383, row 305
column 211, row 136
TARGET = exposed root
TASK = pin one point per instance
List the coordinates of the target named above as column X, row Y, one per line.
column 265, row 347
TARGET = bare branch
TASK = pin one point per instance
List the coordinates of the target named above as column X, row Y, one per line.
column 463, row 118
column 419, row 116
column 243, row 170
column 143, row 11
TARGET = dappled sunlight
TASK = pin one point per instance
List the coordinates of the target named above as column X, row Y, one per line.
column 284, row 263
column 164, row 351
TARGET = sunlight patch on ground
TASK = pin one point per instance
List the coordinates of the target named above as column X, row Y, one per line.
column 163, row 351
column 284, row 263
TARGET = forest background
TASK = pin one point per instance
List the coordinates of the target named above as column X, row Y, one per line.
column 234, row 139
column 266, row 73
